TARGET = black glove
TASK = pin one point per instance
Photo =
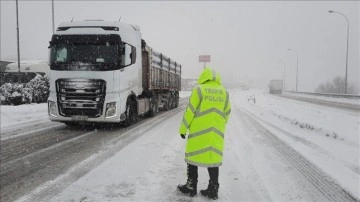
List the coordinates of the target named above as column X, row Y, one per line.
column 182, row 136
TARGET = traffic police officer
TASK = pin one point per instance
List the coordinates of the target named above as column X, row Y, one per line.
column 205, row 118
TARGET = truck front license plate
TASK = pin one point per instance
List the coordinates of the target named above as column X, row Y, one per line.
column 79, row 118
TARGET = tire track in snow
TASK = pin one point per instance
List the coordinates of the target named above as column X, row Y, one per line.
column 23, row 144
column 26, row 166
column 241, row 179
column 321, row 181
column 47, row 190
column 28, row 129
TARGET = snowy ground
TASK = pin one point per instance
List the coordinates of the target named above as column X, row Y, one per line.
column 14, row 116
column 150, row 168
column 326, row 136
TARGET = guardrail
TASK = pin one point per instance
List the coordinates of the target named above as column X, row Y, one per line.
column 351, row 96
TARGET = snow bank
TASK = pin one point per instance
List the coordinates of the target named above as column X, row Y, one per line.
column 15, row 116
column 327, row 136
column 326, row 98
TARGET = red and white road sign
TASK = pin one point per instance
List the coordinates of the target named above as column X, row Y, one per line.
column 204, row 58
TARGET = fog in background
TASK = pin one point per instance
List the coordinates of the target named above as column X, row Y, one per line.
column 245, row 39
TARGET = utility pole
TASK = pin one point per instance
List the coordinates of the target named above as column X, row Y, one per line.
column 18, row 40
column 284, row 72
column 53, row 18
column 347, row 47
column 297, row 67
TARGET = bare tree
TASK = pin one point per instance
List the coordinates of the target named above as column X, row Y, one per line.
column 336, row 86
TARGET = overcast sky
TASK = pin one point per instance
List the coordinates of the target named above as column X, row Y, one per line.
column 245, row 39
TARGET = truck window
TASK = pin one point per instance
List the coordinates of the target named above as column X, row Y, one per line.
column 128, row 55
column 85, row 53
column 61, row 54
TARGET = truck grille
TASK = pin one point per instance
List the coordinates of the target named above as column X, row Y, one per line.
column 80, row 97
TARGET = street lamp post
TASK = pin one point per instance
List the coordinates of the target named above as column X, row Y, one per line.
column 347, row 47
column 297, row 67
column 18, row 40
column 52, row 9
column 284, row 72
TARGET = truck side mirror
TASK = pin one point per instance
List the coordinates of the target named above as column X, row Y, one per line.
column 128, row 55
column 133, row 55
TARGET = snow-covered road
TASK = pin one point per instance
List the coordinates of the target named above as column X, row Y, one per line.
column 328, row 137
column 276, row 150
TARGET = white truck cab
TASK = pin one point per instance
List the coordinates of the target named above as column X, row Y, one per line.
column 96, row 73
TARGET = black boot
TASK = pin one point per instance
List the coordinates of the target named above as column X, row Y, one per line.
column 190, row 188
column 212, row 191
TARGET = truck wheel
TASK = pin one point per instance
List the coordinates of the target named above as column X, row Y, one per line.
column 173, row 101
column 166, row 106
column 167, row 103
column 153, row 107
column 176, row 100
column 131, row 114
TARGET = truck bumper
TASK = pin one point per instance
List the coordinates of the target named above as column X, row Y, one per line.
column 54, row 113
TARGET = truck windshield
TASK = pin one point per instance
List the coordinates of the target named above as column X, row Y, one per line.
column 85, row 52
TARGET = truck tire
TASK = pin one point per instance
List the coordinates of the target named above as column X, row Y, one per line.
column 153, row 106
column 176, row 100
column 171, row 101
column 131, row 114
column 167, row 104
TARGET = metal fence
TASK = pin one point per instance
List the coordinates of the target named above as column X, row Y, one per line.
column 352, row 96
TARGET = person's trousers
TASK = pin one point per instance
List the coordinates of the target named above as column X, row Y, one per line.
column 192, row 172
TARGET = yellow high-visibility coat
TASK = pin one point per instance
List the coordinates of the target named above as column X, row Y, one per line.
column 205, row 118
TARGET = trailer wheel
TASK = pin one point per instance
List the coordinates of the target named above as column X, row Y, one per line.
column 167, row 104
column 173, row 101
column 176, row 100
column 131, row 114
column 153, row 106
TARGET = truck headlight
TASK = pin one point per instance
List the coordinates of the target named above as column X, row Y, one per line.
column 52, row 108
column 110, row 110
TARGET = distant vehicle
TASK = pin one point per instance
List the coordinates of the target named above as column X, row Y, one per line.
column 276, row 86
column 103, row 71
column 28, row 71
